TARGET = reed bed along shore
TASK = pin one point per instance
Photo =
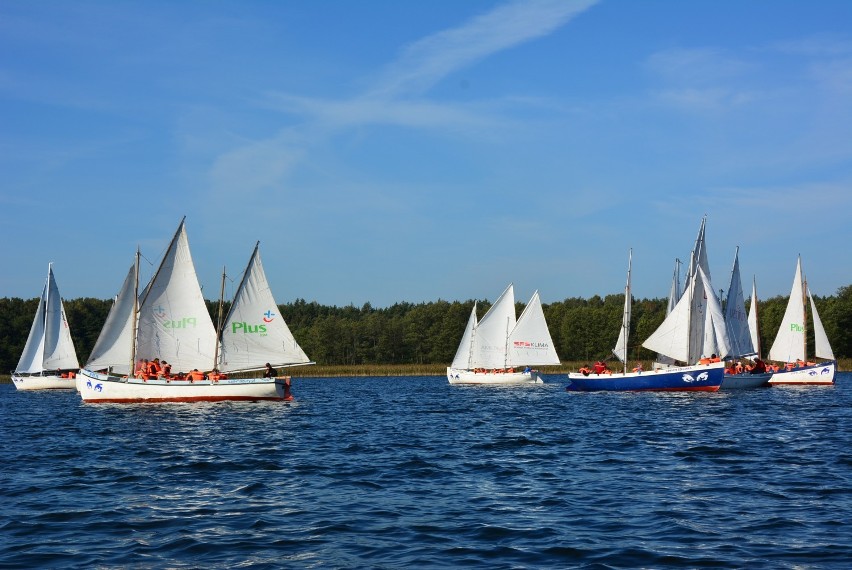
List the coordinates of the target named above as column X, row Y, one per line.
column 339, row 370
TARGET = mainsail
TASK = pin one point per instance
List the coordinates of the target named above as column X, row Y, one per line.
column 490, row 341
column 254, row 332
column 736, row 320
column 620, row 349
column 174, row 324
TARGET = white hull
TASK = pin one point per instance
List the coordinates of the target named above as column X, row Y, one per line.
column 100, row 388
column 817, row 375
column 456, row 376
column 42, row 382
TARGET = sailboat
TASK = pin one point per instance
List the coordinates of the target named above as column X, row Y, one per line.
column 170, row 321
column 790, row 344
column 739, row 334
column 493, row 348
column 48, row 361
column 681, row 337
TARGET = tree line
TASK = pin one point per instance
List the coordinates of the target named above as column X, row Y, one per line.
column 429, row 332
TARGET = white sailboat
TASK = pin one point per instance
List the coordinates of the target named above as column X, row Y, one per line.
column 492, row 349
column 790, row 346
column 48, row 361
column 739, row 335
column 171, row 322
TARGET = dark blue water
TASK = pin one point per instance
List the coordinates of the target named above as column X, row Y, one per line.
column 414, row 473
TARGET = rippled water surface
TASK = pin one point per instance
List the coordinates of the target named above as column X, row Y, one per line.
column 414, row 473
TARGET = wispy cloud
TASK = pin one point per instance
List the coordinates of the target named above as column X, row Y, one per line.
column 429, row 60
column 396, row 97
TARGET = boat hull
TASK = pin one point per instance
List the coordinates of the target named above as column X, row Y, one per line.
column 701, row 378
column 101, row 388
column 456, row 376
column 745, row 381
column 42, row 382
column 817, row 375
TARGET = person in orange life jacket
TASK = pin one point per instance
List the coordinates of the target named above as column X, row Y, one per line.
column 585, row 370
column 195, row 374
column 214, row 375
column 167, row 370
column 154, row 368
column 638, row 367
column 714, row 358
column 142, row 369
column 269, row 372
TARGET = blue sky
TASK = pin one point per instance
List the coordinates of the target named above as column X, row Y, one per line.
column 386, row 151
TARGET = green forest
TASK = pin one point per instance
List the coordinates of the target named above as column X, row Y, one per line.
column 429, row 333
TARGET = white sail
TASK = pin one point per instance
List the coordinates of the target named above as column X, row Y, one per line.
column 174, row 324
column 49, row 345
column 462, row 360
column 736, row 319
column 789, row 344
column 671, row 338
column 716, row 319
column 530, row 341
column 620, row 349
column 490, row 341
column 113, row 348
column 753, row 330
column 254, row 332
column 32, row 358
column 674, row 297
column 822, row 346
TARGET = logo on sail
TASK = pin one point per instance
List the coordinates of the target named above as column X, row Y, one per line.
column 184, row 323
column 245, row 328
column 533, row 345
column 268, row 316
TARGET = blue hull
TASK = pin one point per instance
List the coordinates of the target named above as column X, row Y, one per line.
column 686, row 378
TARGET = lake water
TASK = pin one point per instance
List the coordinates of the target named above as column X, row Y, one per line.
column 414, row 473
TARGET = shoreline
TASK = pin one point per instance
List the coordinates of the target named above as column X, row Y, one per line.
column 389, row 370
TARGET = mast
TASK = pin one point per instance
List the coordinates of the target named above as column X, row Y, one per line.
column 219, row 321
column 135, row 317
column 628, row 304
column 804, row 312
column 506, row 343
column 472, row 341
